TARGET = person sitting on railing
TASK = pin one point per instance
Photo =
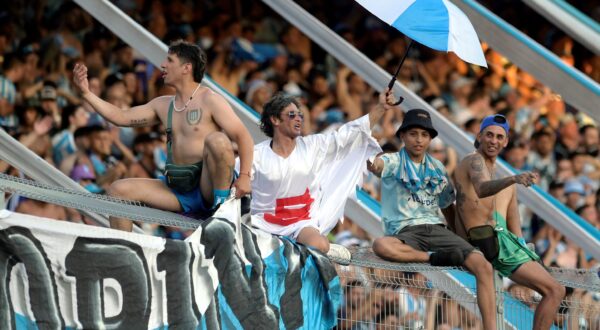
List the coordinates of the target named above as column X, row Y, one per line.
column 200, row 128
column 414, row 187
column 300, row 183
column 487, row 210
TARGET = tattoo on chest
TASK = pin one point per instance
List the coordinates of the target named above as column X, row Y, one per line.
column 193, row 116
column 138, row 122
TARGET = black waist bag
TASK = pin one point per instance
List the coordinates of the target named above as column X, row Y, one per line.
column 183, row 178
column 484, row 238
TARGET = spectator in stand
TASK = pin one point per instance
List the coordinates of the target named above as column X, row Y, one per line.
column 83, row 175
column 99, row 159
column 63, row 143
column 258, row 94
column 352, row 93
column 541, row 158
column 145, row 146
column 568, row 137
column 590, row 140
column 12, row 68
column 49, row 102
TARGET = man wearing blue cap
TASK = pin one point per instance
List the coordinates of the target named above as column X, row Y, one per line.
column 487, row 210
column 414, row 188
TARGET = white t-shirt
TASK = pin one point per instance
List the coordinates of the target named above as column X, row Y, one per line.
column 311, row 185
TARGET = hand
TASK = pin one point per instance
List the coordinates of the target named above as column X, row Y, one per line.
column 242, row 186
column 387, row 99
column 527, row 178
column 42, row 126
column 80, row 78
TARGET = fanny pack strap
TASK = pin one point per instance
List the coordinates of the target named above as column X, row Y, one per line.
column 170, row 132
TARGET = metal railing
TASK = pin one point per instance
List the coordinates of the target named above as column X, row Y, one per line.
column 384, row 295
column 444, row 294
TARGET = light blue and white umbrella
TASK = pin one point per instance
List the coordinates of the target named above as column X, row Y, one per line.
column 438, row 24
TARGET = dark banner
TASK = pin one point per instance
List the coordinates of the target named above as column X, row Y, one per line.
column 55, row 275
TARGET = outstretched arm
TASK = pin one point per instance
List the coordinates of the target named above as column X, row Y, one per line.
column 484, row 185
column 376, row 167
column 143, row 115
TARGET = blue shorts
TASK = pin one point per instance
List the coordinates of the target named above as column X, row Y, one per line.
column 191, row 202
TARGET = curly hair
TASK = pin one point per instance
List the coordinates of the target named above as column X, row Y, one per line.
column 273, row 109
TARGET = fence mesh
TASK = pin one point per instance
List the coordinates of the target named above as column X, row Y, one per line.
column 385, row 295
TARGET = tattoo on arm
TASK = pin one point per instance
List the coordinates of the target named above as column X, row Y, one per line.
column 138, row 122
column 484, row 186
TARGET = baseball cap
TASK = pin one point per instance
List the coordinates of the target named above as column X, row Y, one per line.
column 491, row 120
column 82, row 172
column 574, row 186
column 48, row 93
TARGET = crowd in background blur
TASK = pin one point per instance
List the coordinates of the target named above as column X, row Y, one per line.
column 254, row 53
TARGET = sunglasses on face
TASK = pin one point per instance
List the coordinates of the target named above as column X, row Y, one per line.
column 293, row 114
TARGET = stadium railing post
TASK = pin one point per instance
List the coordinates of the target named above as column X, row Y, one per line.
column 499, row 287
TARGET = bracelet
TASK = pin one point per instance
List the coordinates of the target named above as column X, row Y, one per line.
column 246, row 173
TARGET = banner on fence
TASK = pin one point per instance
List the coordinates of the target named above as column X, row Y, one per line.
column 226, row 275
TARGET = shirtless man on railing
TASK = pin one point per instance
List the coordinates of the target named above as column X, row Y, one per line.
column 487, row 210
column 200, row 128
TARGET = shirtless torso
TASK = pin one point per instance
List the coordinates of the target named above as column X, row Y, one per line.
column 191, row 126
column 473, row 211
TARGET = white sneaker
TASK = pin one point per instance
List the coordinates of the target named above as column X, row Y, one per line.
column 339, row 254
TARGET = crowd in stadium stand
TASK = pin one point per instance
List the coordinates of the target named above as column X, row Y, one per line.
column 254, row 53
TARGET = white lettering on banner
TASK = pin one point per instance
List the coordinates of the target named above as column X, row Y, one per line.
column 60, row 274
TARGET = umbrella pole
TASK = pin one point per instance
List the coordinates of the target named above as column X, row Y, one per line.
column 391, row 84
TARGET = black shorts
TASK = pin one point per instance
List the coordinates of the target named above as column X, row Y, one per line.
column 433, row 238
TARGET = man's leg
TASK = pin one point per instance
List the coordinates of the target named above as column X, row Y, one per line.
column 217, row 167
column 391, row 248
column 532, row 275
column 310, row 236
column 486, row 293
column 148, row 191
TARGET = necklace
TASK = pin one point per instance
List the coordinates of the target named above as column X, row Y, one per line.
column 186, row 103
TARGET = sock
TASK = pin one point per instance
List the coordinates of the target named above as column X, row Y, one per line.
column 219, row 196
column 452, row 257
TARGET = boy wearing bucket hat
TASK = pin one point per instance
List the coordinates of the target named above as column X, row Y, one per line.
column 414, row 187
column 487, row 210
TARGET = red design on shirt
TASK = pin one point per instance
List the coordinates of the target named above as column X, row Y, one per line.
column 290, row 210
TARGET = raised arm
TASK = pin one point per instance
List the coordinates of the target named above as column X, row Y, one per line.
column 143, row 115
column 484, row 185
column 233, row 127
column 386, row 101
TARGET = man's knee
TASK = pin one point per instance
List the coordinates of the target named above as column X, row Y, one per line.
column 480, row 265
column 381, row 246
column 322, row 244
column 554, row 290
column 218, row 142
column 122, row 189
